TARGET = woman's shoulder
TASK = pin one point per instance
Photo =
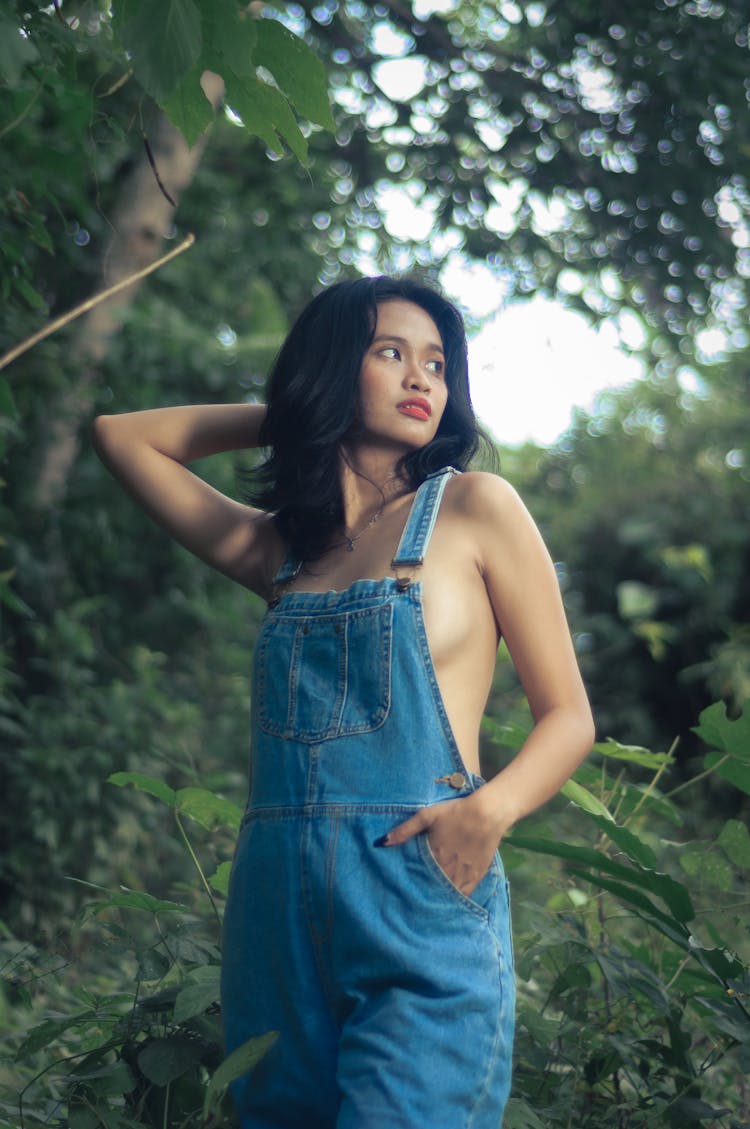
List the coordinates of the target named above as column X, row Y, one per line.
column 482, row 496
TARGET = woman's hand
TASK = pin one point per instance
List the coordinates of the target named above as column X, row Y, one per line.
column 463, row 836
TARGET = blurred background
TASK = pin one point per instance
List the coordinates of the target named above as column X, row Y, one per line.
column 574, row 175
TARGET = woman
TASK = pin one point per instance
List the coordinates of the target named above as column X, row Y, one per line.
column 368, row 919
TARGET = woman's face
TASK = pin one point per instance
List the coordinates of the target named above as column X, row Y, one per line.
column 402, row 386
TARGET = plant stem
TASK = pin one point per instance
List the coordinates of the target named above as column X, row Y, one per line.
column 197, row 865
column 84, row 307
column 653, row 783
column 701, row 776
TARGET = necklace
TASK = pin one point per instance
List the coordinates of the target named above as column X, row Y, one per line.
column 351, row 542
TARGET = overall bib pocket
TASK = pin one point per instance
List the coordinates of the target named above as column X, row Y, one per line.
column 355, row 644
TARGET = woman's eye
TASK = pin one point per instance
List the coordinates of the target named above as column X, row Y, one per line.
column 390, row 351
column 437, row 368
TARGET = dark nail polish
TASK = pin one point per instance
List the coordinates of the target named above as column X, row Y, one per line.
column 381, row 842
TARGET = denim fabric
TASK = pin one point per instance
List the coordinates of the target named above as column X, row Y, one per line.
column 392, row 991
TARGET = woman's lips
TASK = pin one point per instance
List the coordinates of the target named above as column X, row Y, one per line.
column 416, row 409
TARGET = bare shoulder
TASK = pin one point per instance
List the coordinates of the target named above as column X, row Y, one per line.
column 484, row 497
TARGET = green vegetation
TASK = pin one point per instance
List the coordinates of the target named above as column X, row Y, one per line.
column 600, row 157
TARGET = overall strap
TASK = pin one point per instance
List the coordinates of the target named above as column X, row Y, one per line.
column 288, row 570
column 416, row 536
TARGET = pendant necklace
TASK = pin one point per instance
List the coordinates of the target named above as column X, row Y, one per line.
column 351, row 542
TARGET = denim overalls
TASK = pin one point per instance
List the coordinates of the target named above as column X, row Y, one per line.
column 392, row 991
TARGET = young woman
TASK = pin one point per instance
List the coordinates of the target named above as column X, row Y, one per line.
column 368, row 919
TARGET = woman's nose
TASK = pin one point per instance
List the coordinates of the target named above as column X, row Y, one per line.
column 416, row 377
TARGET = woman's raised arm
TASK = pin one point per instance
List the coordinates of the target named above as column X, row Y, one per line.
column 147, row 452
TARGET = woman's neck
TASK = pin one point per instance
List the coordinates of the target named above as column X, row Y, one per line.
column 368, row 483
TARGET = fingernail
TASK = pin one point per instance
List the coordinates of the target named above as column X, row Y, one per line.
column 381, row 842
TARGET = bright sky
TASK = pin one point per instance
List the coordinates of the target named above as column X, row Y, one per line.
column 532, row 362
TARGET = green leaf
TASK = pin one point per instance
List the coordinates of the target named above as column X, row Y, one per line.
column 230, row 36
column 694, row 1109
column 110, row 1080
column 163, row 38
column 633, row 847
column 735, row 842
column 673, row 893
column 520, row 1115
column 27, row 291
column 718, row 731
column 7, row 403
column 582, row 798
column 636, row 600
column 163, row 1060
column 144, row 783
column 219, row 880
column 643, row 906
column 733, row 770
column 15, row 603
column 188, row 108
column 265, row 112
column 45, row 1033
column 633, row 754
column 241, row 1061
column 152, row 964
column 199, row 991
column 16, row 51
column 128, row 899
column 208, row 809
column 297, row 70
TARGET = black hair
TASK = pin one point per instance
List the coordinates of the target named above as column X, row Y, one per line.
column 313, row 399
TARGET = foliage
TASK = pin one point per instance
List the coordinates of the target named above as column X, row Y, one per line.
column 632, row 999
column 595, row 151
column 645, row 507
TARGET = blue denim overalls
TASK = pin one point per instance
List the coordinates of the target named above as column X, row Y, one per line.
column 392, row 991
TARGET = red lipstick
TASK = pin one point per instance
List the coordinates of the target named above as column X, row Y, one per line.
column 416, row 407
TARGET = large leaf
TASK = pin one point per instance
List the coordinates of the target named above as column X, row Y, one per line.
column 735, row 841
column 673, row 893
column 633, row 754
column 229, row 38
column 240, row 1061
column 7, row 403
column 164, row 38
column 188, row 108
column 163, row 1060
column 633, row 847
column 520, row 1115
column 582, row 798
column 145, row 783
column 16, row 51
column 265, row 112
column 45, row 1033
column 128, row 899
column 219, row 880
column 730, row 768
column 199, row 991
column 297, row 70
column 208, row 809
column 720, row 732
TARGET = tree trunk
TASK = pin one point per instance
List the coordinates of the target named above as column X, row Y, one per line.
column 142, row 219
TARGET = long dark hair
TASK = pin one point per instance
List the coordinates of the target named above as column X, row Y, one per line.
column 313, row 396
